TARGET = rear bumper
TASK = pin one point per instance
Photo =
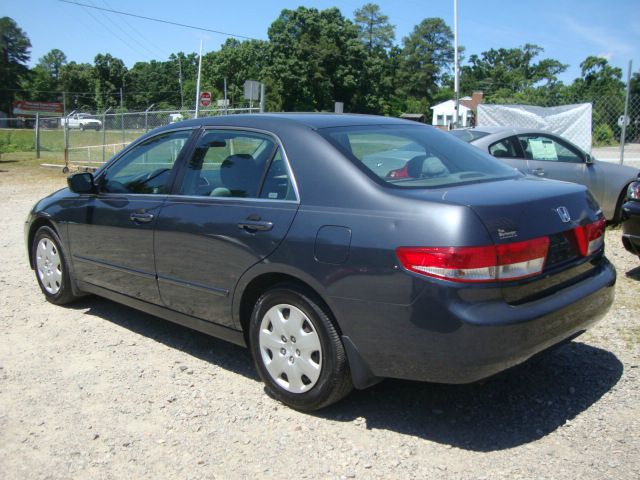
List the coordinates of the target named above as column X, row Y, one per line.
column 449, row 337
column 631, row 227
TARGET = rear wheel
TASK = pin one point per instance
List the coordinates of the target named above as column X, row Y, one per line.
column 51, row 267
column 297, row 349
column 617, row 214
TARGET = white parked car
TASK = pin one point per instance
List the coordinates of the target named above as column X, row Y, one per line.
column 82, row 121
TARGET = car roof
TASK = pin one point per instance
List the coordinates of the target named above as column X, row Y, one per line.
column 311, row 120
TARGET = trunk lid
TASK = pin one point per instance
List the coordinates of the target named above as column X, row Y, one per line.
column 526, row 208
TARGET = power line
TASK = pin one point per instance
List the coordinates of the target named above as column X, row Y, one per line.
column 158, row 20
column 119, row 27
column 151, row 47
column 96, row 19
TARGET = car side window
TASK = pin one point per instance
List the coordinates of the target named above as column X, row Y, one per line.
column 544, row 148
column 505, row 148
column 227, row 163
column 277, row 182
column 147, row 167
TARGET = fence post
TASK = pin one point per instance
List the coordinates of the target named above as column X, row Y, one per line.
column 122, row 124
column 625, row 116
column 37, row 130
column 66, row 145
column 146, row 117
column 104, row 131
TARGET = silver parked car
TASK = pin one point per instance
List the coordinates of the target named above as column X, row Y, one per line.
column 546, row 155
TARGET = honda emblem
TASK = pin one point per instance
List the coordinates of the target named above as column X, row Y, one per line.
column 563, row 213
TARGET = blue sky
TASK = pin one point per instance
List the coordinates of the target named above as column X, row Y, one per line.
column 568, row 30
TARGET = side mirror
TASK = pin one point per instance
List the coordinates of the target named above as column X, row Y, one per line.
column 588, row 159
column 81, row 183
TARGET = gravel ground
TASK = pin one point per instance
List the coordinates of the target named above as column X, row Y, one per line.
column 98, row 390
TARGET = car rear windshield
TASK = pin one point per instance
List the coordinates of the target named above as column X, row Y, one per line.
column 468, row 135
column 415, row 156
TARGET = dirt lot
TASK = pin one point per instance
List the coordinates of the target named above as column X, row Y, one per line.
column 98, row 390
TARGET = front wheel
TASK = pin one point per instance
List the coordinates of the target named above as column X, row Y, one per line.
column 51, row 267
column 297, row 349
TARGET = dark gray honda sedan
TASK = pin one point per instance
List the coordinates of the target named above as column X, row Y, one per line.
column 341, row 249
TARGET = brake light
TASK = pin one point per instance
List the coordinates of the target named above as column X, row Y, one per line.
column 509, row 261
column 399, row 172
column 590, row 237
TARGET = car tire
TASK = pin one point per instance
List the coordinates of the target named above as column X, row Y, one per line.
column 81, row 127
column 617, row 214
column 297, row 349
column 51, row 267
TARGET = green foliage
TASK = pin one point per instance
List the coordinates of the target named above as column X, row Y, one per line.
column 603, row 135
column 426, row 56
column 316, row 59
column 16, row 140
column 509, row 71
column 14, row 55
column 374, row 29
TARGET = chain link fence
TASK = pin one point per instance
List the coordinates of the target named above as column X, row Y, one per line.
column 607, row 116
column 84, row 140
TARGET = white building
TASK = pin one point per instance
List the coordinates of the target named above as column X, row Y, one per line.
column 444, row 113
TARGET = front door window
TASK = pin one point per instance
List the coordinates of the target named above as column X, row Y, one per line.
column 146, row 168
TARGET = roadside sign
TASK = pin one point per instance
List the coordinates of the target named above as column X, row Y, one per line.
column 205, row 99
column 623, row 120
column 252, row 90
column 22, row 107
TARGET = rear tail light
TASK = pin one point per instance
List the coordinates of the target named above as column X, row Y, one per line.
column 509, row 261
column 590, row 237
column 495, row 263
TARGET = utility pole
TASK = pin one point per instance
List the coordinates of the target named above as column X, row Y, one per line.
column 225, row 95
column 261, row 97
column 623, row 134
column 122, row 114
column 180, row 82
column 456, row 73
column 198, row 81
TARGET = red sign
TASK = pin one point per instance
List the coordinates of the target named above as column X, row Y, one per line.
column 205, row 99
column 24, row 107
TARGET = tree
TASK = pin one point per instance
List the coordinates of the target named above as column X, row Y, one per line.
column 43, row 80
column 14, row 55
column 374, row 28
column 427, row 55
column 237, row 62
column 505, row 72
column 52, row 62
column 78, row 80
column 110, row 75
column 152, row 83
column 315, row 59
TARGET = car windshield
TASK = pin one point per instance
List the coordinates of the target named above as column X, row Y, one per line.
column 468, row 135
column 415, row 156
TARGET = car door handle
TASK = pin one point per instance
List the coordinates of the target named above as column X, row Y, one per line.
column 252, row 226
column 538, row 171
column 141, row 217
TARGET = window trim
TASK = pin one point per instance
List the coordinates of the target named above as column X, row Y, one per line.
column 173, row 192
